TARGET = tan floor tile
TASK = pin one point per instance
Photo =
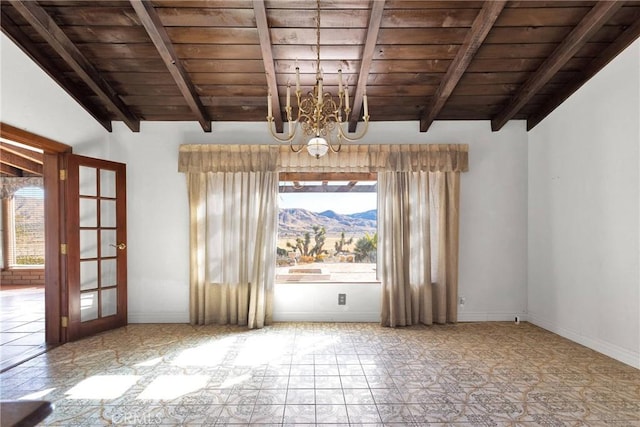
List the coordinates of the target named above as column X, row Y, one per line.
column 465, row 374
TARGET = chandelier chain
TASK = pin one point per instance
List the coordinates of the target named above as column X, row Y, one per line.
column 318, row 39
column 319, row 115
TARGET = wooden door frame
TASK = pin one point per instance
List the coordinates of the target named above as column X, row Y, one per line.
column 55, row 227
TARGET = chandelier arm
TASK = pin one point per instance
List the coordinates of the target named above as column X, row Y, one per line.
column 292, row 131
column 331, row 147
column 356, row 137
column 297, row 149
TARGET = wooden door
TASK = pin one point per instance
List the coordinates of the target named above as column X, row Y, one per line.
column 96, row 246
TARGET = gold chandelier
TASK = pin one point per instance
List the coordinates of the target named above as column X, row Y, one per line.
column 320, row 116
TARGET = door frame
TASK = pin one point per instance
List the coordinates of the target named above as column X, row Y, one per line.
column 55, row 227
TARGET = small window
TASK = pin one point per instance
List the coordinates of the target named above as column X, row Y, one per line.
column 327, row 228
column 26, row 235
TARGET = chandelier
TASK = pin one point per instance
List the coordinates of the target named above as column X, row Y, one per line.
column 320, row 116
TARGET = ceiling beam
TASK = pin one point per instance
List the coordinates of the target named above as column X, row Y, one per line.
column 267, row 58
column 588, row 26
column 473, row 40
column 14, row 32
column 38, row 18
column 22, row 136
column 9, row 170
column 328, row 189
column 375, row 19
column 614, row 49
column 152, row 23
column 21, row 163
column 22, row 152
column 328, row 176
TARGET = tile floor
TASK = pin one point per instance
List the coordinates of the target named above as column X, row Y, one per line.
column 485, row 374
column 21, row 324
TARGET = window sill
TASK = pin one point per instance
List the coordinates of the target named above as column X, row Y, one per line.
column 24, row 267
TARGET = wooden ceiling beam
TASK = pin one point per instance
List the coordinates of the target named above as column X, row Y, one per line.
column 152, row 23
column 34, row 156
column 14, row 32
column 375, row 19
column 630, row 35
column 328, row 189
column 47, row 145
column 588, row 26
column 38, row 18
column 21, row 163
column 479, row 29
column 8, row 170
column 267, row 58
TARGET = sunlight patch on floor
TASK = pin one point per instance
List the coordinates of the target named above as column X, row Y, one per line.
column 37, row 395
column 102, row 387
column 150, row 362
column 168, row 387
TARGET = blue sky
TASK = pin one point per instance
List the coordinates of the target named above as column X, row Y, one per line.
column 343, row 203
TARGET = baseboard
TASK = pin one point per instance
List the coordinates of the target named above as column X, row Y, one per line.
column 340, row 316
column 482, row 316
column 621, row 354
column 159, row 317
column 337, row 316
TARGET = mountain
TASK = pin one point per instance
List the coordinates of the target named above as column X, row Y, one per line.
column 371, row 215
column 295, row 222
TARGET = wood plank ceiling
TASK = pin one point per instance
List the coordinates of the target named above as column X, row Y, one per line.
column 216, row 60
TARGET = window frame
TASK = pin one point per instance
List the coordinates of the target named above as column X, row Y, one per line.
column 9, row 240
column 322, row 184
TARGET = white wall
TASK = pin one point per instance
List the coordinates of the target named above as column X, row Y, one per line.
column 493, row 239
column 318, row 302
column 584, row 277
column 493, row 213
column 31, row 101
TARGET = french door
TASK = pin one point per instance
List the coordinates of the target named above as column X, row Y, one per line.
column 96, row 246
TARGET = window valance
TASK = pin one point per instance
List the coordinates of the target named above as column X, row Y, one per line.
column 199, row 158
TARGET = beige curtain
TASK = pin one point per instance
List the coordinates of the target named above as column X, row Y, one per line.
column 445, row 206
column 232, row 196
column 403, row 248
column 351, row 158
column 418, row 239
column 233, row 224
column 379, row 158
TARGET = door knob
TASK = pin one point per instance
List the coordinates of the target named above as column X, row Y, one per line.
column 120, row 246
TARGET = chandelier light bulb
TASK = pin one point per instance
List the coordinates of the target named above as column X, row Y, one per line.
column 317, row 147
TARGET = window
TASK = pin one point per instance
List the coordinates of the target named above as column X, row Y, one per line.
column 327, row 228
column 25, row 228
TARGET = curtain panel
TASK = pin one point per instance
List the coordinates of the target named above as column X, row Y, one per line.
column 418, row 247
column 233, row 224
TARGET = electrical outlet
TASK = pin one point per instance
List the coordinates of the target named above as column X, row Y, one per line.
column 342, row 299
column 463, row 300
